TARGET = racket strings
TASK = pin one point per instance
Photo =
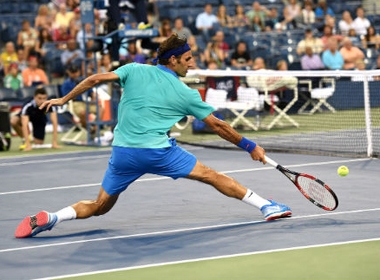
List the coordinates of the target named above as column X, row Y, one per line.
column 317, row 192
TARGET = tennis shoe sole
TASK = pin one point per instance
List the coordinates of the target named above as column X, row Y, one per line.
column 32, row 225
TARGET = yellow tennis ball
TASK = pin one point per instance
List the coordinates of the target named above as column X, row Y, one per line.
column 343, row 170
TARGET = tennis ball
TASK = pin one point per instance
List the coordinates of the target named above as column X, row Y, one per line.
column 343, row 171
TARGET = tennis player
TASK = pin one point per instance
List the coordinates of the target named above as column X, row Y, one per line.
column 153, row 100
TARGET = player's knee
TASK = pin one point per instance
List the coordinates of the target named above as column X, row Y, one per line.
column 102, row 208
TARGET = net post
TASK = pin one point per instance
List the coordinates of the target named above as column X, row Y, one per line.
column 367, row 112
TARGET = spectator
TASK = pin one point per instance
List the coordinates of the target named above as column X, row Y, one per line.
column 332, row 58
column 241, row 58
column 33, row 75
column 346, row 23
column 214, row 52
column 350, row 54
column 311, row 60
column 327, row 34
column 74, row 78
column 196, row 52
column 134, row 54
column 63, row 17
column 14, row 79
column 354, row 38
column 377, row 67
column 82, row 37
column 224, row 19
column 361, row 23
column 43, row 18
column 371, row 40
column 257, row 25
column 72, row 55
column 322, row 10
column 219, row 39
column 21, row 59
column 292, row 13
column 212, row 65
column 308, row 15
column 180, row 29
column 205, row 22
column 360, row 66
column 257, row 10
column 309, row 41
column 165, row 30
column 73, row 28
column 30, row 112
column 27, row 38
column 8, row 56
column 105, row 64
column 273, row 22
column 240, row 19
column 330, row 21
column 43, row 38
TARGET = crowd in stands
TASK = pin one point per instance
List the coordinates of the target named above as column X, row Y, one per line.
column 224, row 35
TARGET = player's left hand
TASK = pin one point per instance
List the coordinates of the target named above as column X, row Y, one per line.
column 52, row 102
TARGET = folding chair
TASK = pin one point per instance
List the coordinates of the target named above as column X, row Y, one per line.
column 216, row 98
column 247, row 99
column 282, row 113
column 77, row 130
column 319, row 96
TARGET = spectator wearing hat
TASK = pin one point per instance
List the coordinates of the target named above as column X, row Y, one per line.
column 32, row 75
column 14, row 79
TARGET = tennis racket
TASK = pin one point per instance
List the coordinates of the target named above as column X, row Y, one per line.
column 312, row 188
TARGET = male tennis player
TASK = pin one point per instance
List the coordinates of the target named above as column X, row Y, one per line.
column 153, row 100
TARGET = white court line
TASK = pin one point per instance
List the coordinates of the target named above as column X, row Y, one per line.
column 166, row 178
column 180, row 230
column 212, row 258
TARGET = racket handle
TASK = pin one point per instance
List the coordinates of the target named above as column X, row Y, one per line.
column 271, row 161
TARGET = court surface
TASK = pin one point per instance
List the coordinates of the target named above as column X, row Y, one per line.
column 160, row 220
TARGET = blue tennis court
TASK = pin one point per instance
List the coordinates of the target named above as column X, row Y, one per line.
column 159, row 220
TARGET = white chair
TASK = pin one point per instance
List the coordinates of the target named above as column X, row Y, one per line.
column 247, row 99
column 77, row 130
column 319, row 96
column 217, row 98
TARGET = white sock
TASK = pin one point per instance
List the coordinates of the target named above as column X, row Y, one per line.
column 252, row 198
column 65, row 214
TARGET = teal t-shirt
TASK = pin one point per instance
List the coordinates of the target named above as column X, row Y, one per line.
column 153, row 100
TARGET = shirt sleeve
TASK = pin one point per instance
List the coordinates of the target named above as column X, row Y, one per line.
column 198, row 108
column 123, row 72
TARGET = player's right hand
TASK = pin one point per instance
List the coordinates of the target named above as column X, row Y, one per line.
column 52, row 102
column 258, row 154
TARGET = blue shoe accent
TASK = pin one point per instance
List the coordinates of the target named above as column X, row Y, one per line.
column 52, row 219
column 275, row 211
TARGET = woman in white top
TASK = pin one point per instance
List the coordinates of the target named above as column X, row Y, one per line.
column 292, row 11
column 361, row 23
column 346, row 23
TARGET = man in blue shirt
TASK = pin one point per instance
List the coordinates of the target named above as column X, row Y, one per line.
column 153, row 100
column 332, row 58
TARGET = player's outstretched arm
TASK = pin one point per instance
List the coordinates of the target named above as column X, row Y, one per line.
column 83, row 86
column 225, row 131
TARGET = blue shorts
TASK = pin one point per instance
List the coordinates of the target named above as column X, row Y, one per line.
column 128, row 164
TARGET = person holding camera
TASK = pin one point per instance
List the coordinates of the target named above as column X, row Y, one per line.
column 79, row 103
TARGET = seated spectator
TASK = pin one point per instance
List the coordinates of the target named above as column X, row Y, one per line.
column 74, row 78
column 308, row 14
column 63, row 16
column 27, row 38
column 43, row 38
column 273, row 22
column 205, row 22
column 311, row 60
column 257, row 25
column 180, row 29
column 196, row 52
column 62, row 35
column 360, row 66
column 213, row 52
column 43, row 18
column 223, row 18
column 327, row 34
column 269, row 83
column 350, row 54
column 240, row 19
column 72, row 55
column 292, row 13
column 33, row 75
column 165, row 30
column 21, row 60
column 82, row 37
column 219, row 39
column 8, row 56
column 361, row 23
column 346, row 23
column 330, row 21
column 105, row 64
column 241, row 58
column 332, row 58
column 371, row 40
column 322, row 10
column 14, row 79
column 30, row 112
column 134, row 54
column 257, row 10
column 309, row 41
column 354, row 38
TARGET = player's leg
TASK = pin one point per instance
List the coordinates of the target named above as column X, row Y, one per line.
column 16, row 125
column 231, row 188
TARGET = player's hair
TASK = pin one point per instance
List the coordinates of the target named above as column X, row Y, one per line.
column 173, row 42
column 40, row 90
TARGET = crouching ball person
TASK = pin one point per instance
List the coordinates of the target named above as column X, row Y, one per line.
column 142, row 146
